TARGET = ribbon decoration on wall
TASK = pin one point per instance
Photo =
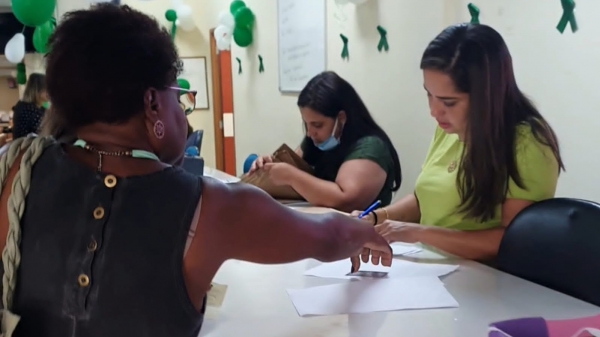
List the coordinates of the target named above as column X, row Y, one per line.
column 239, row 65
column 568, row 16
column 474, row 11
column 345, row 52
column 383, row 43
column 261, row 66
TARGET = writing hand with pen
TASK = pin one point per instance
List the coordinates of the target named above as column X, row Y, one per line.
column 377, row 251
column 392, row 231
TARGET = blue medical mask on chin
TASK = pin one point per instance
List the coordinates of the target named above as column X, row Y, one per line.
column 331, row 142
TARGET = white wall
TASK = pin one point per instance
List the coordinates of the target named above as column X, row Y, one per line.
column 559, row 72
column 390, row 83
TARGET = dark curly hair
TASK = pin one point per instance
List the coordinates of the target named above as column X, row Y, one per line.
column 101, row 62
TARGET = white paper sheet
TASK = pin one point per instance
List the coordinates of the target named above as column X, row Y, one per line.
column 400, row 269
column 373, row 295
column 405, row 249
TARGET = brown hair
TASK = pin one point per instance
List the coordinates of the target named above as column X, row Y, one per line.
column 36, row 85
column 54, row 125
column 479, row 63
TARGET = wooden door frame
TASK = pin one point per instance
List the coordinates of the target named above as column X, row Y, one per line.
column 217, row 104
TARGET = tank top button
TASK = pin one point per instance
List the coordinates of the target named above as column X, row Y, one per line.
column 92, row 246
column 98, row 213
column 110, row 181
column 83, row 280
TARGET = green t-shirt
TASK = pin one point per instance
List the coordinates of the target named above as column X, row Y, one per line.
column 375, row 149
column 437, row 191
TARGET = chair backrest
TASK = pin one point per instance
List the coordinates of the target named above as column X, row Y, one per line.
column 556, row 243
column 249, row 161
column 195, row 139
column 194, row 165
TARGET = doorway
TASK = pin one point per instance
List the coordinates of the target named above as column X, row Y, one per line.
column 222, row 83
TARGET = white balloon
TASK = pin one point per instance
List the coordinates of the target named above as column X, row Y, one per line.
column 185, row 17
column 226, row 19
column 223, row 44
column 223, row 36
column 342, row 2
column 15, row 48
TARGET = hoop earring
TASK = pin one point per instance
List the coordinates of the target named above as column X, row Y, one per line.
column 159, row 129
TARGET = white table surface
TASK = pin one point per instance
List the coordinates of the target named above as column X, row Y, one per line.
column 256, row 304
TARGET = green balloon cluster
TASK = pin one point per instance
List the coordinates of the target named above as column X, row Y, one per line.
column 244, row 22
column 38, row 14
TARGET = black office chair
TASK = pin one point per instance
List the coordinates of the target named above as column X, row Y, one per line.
column 556, row 243
column 195, row 139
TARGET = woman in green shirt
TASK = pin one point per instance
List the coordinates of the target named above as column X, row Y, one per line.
column 354, row 160
column 492, row 155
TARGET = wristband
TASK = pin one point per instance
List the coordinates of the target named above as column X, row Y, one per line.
column 374, row 217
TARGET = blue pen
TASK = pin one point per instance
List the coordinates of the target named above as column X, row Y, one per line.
column 369, row 209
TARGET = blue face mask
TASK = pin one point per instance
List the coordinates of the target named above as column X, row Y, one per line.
column 331, row 142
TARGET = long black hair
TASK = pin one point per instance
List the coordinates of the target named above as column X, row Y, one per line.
column 478, row 61
column 329, row 94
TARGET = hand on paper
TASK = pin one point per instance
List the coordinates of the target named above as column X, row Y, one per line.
column 279, row 173
column 259, row 163
column 377, row 250
column 368, row 218
column 395, row 231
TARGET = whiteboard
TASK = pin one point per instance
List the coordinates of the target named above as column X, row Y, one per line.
column 302, row 54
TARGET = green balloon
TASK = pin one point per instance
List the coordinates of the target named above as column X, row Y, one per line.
column 171, row 15
column 235, row 5
column 183, row 83
column 41, row 34
column 242, row 36
column 244, row 17
column 33, row 13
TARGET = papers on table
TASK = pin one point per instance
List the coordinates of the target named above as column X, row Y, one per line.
column 404, row 249
column 400, row 269
column 373, row 295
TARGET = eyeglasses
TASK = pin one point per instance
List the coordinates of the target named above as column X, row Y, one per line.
column 187, row 99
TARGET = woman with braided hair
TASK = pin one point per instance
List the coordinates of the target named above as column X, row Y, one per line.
column 104, row 236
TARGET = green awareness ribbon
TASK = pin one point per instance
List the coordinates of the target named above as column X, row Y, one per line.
column 261, row 66
column 474, row 11
column 345, row 53
column 383, row 43
column 239, row 65
column 568, row 16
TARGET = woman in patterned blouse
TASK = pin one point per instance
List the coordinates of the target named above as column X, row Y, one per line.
column 28, row 112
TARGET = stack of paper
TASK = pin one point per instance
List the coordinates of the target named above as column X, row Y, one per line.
column 400, row 268
column 405, row 249
column 373, row 295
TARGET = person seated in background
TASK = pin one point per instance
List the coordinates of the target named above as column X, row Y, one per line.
column 354, row 160
column 119, row 241
column 492, row 154
column 29, row 111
